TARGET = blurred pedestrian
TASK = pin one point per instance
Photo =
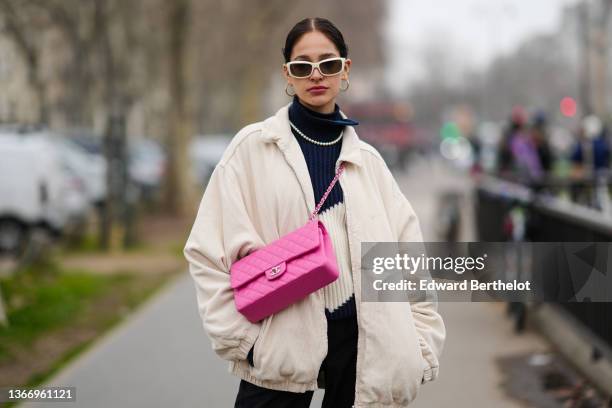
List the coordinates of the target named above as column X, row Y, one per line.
column 264, row 187
column 539, row 134
column 591, row 152
column 519, row 157
column 590, row 164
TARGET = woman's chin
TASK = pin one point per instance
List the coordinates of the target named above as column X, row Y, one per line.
column 317, row 101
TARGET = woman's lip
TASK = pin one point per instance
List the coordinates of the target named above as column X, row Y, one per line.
column 317, row 91
column 317, row 88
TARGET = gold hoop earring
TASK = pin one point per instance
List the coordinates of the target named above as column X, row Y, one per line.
column 287, row 90
column 347, row 85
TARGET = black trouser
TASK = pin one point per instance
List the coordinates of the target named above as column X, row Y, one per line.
column 339, row 367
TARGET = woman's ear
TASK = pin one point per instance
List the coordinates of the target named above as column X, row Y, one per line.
column 347, row 67
column 285, row 72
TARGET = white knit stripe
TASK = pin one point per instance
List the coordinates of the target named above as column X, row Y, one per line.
column 339, row 291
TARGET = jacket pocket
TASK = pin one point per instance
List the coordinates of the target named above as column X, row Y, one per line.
column 291, row 345
column 262, row 332
column 393, row 365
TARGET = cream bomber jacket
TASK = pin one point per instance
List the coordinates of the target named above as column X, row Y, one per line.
column 261, row 190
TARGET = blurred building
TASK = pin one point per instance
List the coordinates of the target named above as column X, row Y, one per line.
column 585, row 34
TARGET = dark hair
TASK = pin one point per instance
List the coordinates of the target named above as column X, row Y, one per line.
column 310, row 24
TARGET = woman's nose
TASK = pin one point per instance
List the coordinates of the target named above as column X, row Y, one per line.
column 316, row 73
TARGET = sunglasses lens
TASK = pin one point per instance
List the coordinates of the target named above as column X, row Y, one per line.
column 331, row 67
column 300, row 69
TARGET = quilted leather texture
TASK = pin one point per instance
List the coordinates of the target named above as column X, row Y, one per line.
column 287, row 247
column 310, row 265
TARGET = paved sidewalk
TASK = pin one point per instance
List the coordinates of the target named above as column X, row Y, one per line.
column 477, row 333
column 161, row 356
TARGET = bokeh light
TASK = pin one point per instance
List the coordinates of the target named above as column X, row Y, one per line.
column 568, row 107
column 450, row 130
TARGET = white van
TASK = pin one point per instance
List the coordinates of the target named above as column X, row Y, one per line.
column 89, row 167
column 37, row 190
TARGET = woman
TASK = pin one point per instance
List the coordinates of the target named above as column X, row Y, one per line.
column 266, row 184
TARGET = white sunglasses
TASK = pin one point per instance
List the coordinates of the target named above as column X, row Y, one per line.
column 327, row 67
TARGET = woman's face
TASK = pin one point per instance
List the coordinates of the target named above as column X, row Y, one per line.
column 316, row 92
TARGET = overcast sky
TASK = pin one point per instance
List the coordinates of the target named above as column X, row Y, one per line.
column 476, row 30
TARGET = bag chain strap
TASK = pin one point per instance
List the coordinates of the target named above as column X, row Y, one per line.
column 329, row 189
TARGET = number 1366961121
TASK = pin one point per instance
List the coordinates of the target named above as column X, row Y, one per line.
column 38, row 394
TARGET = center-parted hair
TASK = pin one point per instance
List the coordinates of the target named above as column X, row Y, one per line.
column 310, row 24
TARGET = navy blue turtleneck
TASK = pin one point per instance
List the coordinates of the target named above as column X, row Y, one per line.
column 321, row 161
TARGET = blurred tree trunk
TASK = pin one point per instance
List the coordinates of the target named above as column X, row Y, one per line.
column 109, row 211
column 114, row 137
column 177, row 139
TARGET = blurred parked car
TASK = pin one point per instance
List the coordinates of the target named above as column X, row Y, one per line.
column 205, row 152
column 38, row 189
column 89, row 167
column 147, row 159
column 147, row 164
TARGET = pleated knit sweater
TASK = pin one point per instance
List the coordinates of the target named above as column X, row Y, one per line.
column 321, row 160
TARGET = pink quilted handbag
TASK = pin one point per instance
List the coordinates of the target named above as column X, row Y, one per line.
column 271, row 278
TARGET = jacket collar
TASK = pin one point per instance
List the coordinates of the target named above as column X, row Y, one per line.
column 276, row 129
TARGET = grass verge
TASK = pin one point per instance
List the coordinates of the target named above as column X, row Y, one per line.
column 54, row 314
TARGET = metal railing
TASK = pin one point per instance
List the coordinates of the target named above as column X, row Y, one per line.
column 549, row 219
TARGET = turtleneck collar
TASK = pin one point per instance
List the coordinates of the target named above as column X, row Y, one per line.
column 319, row 126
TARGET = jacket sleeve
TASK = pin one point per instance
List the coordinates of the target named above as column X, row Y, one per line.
column 429, row 324
column 222, row 233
